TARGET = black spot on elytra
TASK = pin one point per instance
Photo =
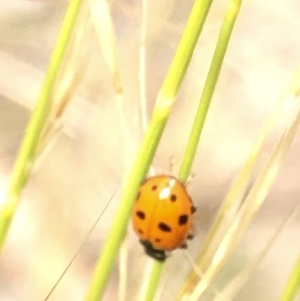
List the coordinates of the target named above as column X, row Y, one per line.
column 193, row 209
column 173, row 197
column 140, row 231
column 140, row 215
column 164, row 227
column 157, row 239
column 154, row 187
column 183, row 219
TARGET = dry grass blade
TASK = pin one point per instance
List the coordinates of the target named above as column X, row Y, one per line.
column 280, row 115
column 104, row 28
column 234, row 197
column 251, row 205
column 236, row 284
column 73, row 70
column 142, row 66
column 106, row 37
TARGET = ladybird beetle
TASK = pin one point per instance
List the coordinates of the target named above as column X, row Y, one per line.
column 162, row 215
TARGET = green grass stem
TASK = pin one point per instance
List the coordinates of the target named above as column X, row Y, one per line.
column 241, row 181
column 162, row 109
column 292, row 287
column 185, row 48
column 251, row 204
column 209, row 87
column 205, row 100
column 119, row 226
column 22, row 168
column 153, row 281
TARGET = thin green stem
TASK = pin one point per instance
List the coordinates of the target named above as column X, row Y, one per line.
column 24, row 162
column 118, row 228
column 205, row 100
column 186, row 48
column 162, row 109
column 293, row 285
column 153, row 281
column 209, row 87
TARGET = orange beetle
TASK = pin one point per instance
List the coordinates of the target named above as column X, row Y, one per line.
column 162, row 215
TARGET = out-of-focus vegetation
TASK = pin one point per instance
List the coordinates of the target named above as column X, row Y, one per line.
column 83, row 167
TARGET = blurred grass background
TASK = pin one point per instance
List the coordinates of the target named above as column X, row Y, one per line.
column 79, row 174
